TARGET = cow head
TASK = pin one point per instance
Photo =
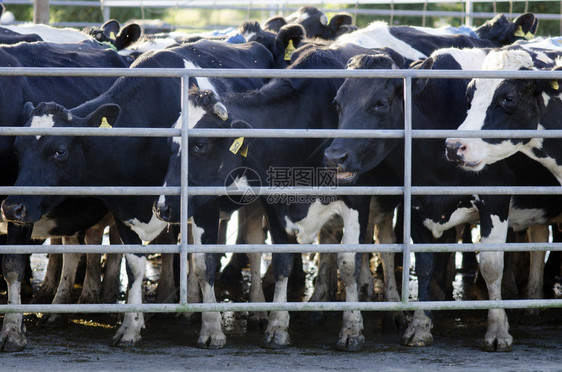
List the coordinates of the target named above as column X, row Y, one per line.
column 379, row 106
column 111, row 32
column 501, row 104
column 502, row 31
column 211, row 159
column 316, row 23
column 50, row 160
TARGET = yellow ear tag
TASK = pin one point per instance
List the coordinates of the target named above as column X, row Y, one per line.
column 554, row 84
column 519, row 32
column 104, row 123
column 112, row 35
column 236, row 145
column 289, row 51
column 244, row 151
column 529, row 36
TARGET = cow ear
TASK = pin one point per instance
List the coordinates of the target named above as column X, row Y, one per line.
column 104, row 116
column 27, row 109
column 274, row 23
column 110, row 29
column 550, row 86
column 127, row 36
column 526, row 25
column 340, row 20
column 420, row 83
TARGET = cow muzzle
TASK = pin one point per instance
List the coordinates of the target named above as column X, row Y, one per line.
column 14, row 212
column 455, row 151
column 339, row 159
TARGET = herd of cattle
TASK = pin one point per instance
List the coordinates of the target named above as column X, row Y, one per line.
column 304, row 40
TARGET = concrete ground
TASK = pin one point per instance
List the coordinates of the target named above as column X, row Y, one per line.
column 169, row 344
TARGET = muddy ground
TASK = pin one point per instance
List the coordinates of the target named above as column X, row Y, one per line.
column 169, row 344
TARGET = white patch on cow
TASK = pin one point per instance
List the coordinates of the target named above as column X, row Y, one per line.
column 468, row 59
column 545, row 98
column 498, row 232
column 459, row 216
column 197, row 232
column 44, row 121
column 148, row 45
column 249, row 36
column 521, row 219
column 50, row 34
column 203, row 82
column 297, row 17
column 318, row 214
column 147, row 231
column 377, row 35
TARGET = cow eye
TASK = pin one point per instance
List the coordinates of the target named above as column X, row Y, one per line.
column 508, row 101
column 60, row 153
column 381, row 105
column 199, row 147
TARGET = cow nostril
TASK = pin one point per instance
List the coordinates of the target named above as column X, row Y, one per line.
column 14, row 212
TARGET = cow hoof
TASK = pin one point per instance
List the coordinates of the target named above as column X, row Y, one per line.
column 124, row 341
column 276, row 339
column 11, row 341
column 497, row 344
column 257, row 320
column 54, row 321
column 216, row 342
column 351, row 343
column 417, row 339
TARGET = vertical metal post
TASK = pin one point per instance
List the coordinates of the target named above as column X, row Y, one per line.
column 183, row 198
column 407, row 186
column 469, row 8
column 41, row 11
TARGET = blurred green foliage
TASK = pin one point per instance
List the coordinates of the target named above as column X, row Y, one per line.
column 201, row 18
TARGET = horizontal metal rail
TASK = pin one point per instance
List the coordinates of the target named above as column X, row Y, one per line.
column 264, row 191
column 284, row 248
column 277, row 73
column 278, row 133
column 277, row 306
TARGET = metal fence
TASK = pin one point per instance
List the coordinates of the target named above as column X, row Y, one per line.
column 272, row 7
column 184, row 248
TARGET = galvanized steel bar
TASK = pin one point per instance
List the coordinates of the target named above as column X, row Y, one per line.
column 407, row 189
column 275, row 73
column 285, row 192
column 279, row 306
column 184, row 189
column 285, row 248
column 276, row 133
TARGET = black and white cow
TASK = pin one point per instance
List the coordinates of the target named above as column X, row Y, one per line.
column 110, row 33
column 315, row 23
column 419, row 42
column 130, row 102
column 510, row 104
column 436, row 104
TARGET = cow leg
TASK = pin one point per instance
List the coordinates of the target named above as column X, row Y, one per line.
column 166, row 290
column 384, row 234
column 351, row 335
column 48, row 288
column 536, row 269
column 12, row 337
column 252, row 218
column 494, row 230
column 111, row 277
column 326, row 282
column 276, row 335
column 66, row 285
column 128, row 333
column 92, row 281
column 205, row 230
